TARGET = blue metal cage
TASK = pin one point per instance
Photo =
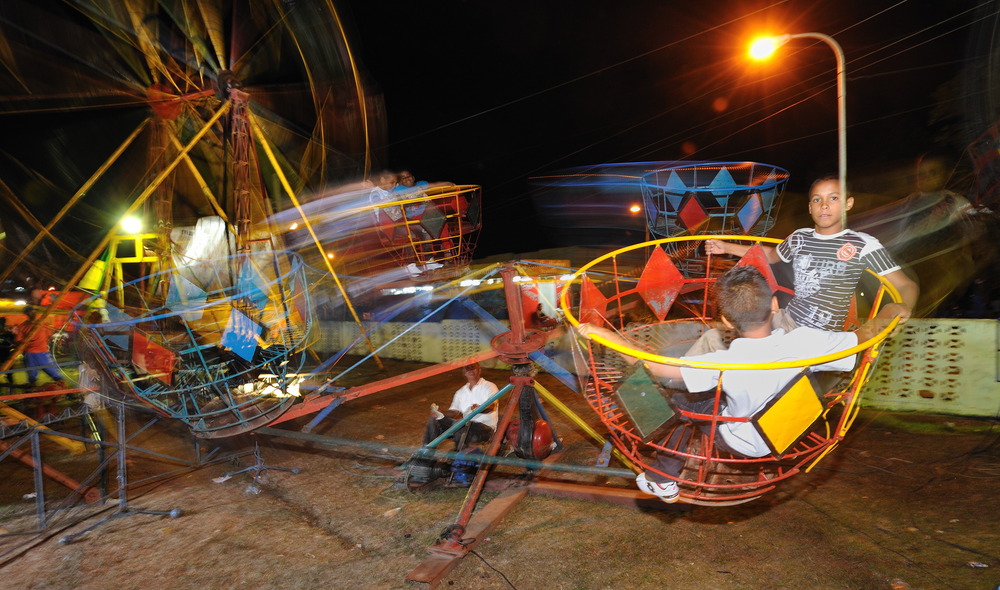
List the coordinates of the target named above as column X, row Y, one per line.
column 216, row 344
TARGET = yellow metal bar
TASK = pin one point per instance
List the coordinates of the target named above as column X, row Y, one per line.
column 583, row 425
column 73, row 446
column 201, row 182
column 79, row 194
column 212, row 17
column 358, row 88
column 298, row 207
column 30, row 218
column 110, row 235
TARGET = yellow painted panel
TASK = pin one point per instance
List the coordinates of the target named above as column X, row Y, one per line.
column 785, row 421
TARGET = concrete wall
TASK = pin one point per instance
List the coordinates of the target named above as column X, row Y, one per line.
column 940, row 366
column 430, row 342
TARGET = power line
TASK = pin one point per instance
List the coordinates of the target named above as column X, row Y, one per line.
column 590, row 74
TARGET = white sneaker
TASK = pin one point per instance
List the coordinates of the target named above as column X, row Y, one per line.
column 668, row 492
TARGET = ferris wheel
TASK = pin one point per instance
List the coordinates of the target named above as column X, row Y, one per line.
column 175, row 109
column 178, row 112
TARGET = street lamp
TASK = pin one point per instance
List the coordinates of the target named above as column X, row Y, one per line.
column 763, row 48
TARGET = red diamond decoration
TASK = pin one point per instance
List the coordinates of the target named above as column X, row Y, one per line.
column 691, row 213
column 593, row 304
column 756, row 258
column 660, row 283
column 852, row 322
column 150, row 357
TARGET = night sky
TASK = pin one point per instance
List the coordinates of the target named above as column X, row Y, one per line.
column 494, row 93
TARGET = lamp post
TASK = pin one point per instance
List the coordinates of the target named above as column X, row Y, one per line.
column 763, row 48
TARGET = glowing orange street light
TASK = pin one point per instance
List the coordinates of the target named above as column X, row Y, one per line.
column 634, row 209
column 763, row 47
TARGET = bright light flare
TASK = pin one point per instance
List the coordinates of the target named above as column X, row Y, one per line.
column 764, row 47
column 635, row 209
column 131, row 225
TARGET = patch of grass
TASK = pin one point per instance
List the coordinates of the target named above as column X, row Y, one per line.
column 932, row 424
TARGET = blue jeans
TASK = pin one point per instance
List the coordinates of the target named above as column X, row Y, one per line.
column 35, row 360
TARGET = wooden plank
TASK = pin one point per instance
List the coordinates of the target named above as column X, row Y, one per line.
column 621, row 496
column 446, row 555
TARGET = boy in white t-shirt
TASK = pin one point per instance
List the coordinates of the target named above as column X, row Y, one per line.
column 746, row 305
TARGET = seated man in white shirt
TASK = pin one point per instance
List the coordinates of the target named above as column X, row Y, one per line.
column 468, row 398
column 480, row 428
column 745, row 304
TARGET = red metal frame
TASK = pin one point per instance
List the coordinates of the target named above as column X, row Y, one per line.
column 740, row 479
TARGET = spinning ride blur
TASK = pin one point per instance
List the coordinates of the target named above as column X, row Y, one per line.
column 658, row 316
column 220, row 351
column 431, row 227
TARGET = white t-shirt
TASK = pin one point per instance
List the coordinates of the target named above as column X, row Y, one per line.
column 466, row 397
column 746, row 391
column 380, row 196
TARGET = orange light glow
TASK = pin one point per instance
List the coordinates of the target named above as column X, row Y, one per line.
column 763, row 47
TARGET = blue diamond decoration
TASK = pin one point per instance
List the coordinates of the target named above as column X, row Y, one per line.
column 723, row 183
column 750, row 212
column 242, row 335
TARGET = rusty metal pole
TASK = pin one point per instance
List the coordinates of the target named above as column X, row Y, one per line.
column 512, row 347
column 451, row 539
column 515, row 310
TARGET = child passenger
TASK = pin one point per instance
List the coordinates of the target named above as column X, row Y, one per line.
column 746, row 304
column 828, row 261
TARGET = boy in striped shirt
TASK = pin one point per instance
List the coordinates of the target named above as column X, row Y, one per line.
column 828, row 261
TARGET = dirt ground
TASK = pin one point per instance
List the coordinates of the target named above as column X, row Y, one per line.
column 907, row 502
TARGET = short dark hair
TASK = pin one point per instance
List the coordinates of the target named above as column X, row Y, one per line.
column 744, row 297
column 826, row 177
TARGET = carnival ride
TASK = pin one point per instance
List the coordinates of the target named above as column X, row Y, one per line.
column 176, row 111
column 431, row 228
column 712, row 198
column 601, row 204
column 661, row 313
column 221, row 353
column 218, row 340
